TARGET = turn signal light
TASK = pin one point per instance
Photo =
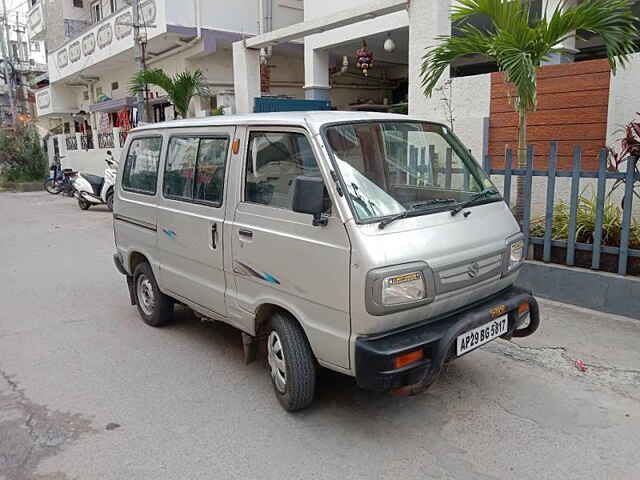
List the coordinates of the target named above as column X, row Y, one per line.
column 408, row 358
column 523, row 308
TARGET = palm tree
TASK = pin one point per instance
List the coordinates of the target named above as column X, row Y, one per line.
column 519, row 44
column 180, row 88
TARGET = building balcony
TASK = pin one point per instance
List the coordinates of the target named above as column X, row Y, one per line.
column 56, row 101
column 108, row 38
column 36, row 24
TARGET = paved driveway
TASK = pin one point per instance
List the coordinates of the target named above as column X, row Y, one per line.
column 87, row 391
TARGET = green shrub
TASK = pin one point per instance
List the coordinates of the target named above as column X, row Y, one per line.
column 586, row 222
column 21, row 156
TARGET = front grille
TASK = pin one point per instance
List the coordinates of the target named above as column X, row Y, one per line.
column 464, row 274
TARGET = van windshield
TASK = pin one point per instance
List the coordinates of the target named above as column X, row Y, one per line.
column 408, row 168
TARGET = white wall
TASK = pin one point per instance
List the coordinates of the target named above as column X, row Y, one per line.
column 322, row 8
column 624, row 99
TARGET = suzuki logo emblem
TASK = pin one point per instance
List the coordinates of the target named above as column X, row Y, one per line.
column 473, row 270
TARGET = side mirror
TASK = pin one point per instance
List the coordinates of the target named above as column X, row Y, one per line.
column 309, row 196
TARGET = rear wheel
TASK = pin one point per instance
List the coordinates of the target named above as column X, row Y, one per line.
column 83, row 204
column 291, row 361
column 52, row 186
column 155, row 308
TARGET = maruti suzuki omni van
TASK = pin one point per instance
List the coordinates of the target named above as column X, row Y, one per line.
column 370, row 244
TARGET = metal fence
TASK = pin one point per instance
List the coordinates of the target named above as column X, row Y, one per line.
column 105, row 140
column 71, row 142
column 625, row 179
column 86, row 142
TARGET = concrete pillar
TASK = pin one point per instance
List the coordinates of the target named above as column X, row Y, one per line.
column 427, row 20
column 316, row 73
column 569, row 44
column 246, row 77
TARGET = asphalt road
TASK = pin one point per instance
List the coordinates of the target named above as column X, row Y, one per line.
column 87, row 391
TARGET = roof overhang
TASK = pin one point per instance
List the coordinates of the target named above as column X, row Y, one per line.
column 114, row 105
column 342, row 18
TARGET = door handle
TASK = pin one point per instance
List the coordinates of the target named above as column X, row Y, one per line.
column 245, row 233
column 214, row 235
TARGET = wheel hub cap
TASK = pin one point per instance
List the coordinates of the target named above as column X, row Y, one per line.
column 277, row 361
column 145, row 295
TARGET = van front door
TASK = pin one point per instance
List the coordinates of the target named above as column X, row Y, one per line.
column 279, row 257
column 191, row 218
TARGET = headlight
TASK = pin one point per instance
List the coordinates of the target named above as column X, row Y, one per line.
column 516, row 254
column 405, row 288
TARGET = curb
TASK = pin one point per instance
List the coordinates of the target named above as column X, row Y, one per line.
column 20, row 187
column 606, row 292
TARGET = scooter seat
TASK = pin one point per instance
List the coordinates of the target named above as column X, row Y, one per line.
column 95, row 181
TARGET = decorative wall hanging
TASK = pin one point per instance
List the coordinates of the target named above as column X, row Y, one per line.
column 364, row 59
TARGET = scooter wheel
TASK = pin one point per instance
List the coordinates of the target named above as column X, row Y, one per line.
column 83, row 204
column 110, row 201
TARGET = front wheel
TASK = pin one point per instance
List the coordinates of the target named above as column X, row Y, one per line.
column 83, row 204
column 292, row 364
column 52, row 186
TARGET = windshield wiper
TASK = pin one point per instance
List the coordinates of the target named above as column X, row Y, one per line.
column 388, row 220
column 435, row 201
column 474, row 199
column 415, row 213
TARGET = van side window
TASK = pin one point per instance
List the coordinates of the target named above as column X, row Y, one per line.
column 140, row 173
column 195, row 168
column 274, row 160
column 209, row 185
column 180, row 167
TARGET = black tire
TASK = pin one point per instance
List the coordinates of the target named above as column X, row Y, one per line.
column 300, row 366
column 110, row 201
column 51, row 186
column 160, row 312
column 83, row 204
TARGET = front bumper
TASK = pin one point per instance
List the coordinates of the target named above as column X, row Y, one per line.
column 375, row 354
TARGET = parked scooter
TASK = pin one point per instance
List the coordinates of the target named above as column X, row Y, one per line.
column 95, row 190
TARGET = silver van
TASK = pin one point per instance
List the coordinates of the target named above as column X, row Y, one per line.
column 370, row 244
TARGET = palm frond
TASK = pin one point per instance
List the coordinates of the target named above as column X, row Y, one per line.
column 437, row 59
column 156, row 77
column 181, row 88
column 612, row 20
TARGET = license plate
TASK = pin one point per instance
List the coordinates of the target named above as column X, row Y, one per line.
column 485, row 333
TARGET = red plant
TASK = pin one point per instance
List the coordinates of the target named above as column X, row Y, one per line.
column 630, row 145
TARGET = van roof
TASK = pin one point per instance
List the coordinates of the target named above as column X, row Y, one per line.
column 312, row 119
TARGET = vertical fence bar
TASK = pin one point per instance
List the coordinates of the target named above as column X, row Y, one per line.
column 413, row 166
column 486, row 164
column 433, row 163
column 573, row 209
column 551, row 193
column 600, row 196
column 526, row 220
column 626, row 215
column 447, row 169
column 508, row 164
column 422, row 165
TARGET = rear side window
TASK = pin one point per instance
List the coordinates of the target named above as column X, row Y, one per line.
column 140, row 172
column 195, row 168
column 274, row 160
column 180, row 167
